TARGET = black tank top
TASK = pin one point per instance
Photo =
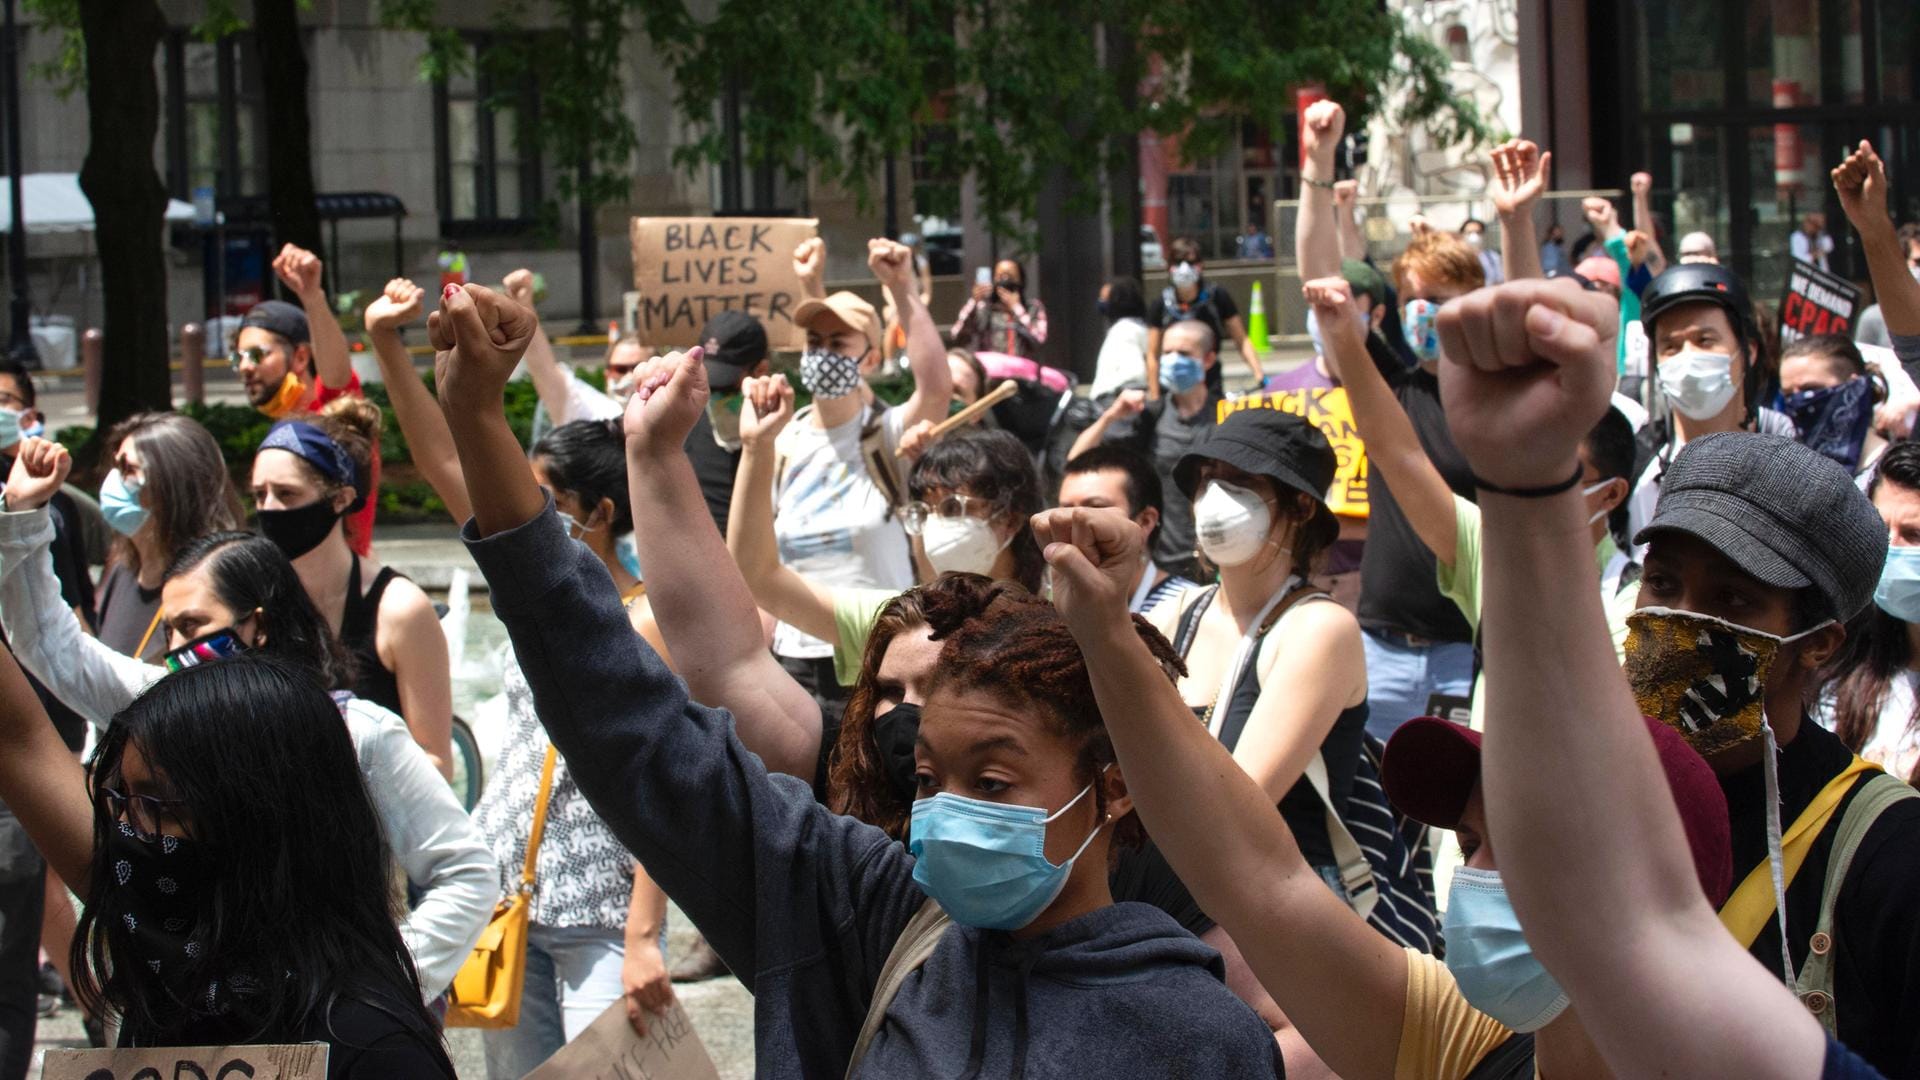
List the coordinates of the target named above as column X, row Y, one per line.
column 371, row 680
column 1301, row 806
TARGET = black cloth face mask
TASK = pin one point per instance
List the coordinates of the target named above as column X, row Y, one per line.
column 301, row 529
column 894, row 733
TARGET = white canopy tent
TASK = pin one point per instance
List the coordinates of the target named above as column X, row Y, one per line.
column 54, row 203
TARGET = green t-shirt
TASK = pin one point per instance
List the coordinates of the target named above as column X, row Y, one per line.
column 1460, row 583
column 854, row 612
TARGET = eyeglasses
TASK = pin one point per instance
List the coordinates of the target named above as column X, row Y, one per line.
column 14, row 401
column 914, row 515
column 144, row 814
column 253, row 354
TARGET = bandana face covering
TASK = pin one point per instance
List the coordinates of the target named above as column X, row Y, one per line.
column 1704, row 677
column 159, row 887
column 1834, row 419
column 283, row 401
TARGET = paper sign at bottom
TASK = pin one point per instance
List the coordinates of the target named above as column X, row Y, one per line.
column 300, row 1061
column 611, row 1050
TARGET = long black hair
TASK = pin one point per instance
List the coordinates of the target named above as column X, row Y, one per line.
column 296, row 908
column 1876, row 649
column 588, row 459
column 992, row 465
column 250, row 572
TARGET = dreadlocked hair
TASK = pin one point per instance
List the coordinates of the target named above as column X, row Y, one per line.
column 857, row 782
column 1023, row 654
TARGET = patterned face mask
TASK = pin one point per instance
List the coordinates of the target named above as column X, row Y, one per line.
column 1704, row 677
column 829, row 374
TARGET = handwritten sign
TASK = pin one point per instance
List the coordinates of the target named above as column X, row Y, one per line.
column 1815, row 303
column 1327, row 410
column 611, row 1050
column 687, row 270
column 301, row 1061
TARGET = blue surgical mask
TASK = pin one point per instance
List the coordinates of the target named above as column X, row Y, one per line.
column 1180, row 373
column 1899, row 592
column 1423, row 335
column 11, row 430
column 986, row 862
column 120, row 504
column 1491, row 960
column 629, row 555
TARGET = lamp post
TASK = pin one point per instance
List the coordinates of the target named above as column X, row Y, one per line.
column 20, row 336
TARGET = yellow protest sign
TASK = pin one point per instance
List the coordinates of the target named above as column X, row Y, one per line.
column 1329, row 411
column 687, row 270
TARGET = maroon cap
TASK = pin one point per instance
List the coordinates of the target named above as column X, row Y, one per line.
column 1431, row 766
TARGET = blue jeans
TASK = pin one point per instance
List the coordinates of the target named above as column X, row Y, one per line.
column 573, row 974
column 1401, row 677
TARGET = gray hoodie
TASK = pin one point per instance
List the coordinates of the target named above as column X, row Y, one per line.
column 804, row 905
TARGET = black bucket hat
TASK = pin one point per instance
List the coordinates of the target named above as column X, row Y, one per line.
column 1265, row 441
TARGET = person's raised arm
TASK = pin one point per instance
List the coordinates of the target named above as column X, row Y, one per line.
column 1340, row 981
column 478, row 339
column 810, row 262
column 1126, row 404
column 1520, row 173
column 783, row 592
column 46, row 637
column 772, row 879
column 700, row 602
column 42, row 782
column 1346, row 203
column 892, row 265
column 1861, row 183
column 414, row 407
column 301, row 270
column 1153, row 364
column 1393, row 447
column 1640, row 186
column 1590, row 845
column 1316, row 247
column 549, row 382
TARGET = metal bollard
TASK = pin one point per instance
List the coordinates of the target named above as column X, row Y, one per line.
column 193, row 362
column 92, row 343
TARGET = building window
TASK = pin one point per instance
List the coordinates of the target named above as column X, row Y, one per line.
column 214, row 136
column 487, row 155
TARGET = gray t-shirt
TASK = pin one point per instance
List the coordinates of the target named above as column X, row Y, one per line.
column 1163, row 436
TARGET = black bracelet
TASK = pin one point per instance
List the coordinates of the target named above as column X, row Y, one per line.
column 1533, row 492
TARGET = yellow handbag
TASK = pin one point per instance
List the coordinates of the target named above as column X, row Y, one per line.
column 486, row 991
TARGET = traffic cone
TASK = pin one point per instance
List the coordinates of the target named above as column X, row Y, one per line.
column 1257, row 320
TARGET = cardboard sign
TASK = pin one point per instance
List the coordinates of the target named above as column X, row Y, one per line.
column 1327, row 410
column 1815, row 303
column 300, row 1061
column 611, row 1050
column 687, row 270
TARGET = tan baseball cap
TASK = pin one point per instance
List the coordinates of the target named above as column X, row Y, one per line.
column 846, row 306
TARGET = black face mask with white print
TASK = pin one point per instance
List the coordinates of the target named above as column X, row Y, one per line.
column 159, row 891
column 829, row 374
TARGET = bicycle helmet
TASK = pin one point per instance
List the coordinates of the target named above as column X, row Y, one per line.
column 1693, row 282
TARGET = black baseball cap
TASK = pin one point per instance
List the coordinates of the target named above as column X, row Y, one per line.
column 735, row 342
column 1790, row 516
column 1266, row 442
column 279, row 317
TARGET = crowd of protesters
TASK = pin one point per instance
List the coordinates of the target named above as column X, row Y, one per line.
column 1119, row 745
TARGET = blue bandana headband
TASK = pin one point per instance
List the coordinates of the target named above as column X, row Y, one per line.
column 315, row 447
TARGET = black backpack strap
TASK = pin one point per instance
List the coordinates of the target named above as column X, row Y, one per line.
column 1189, row 626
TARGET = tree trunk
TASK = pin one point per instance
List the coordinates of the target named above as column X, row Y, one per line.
column 283, row 86
column 129, row 204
